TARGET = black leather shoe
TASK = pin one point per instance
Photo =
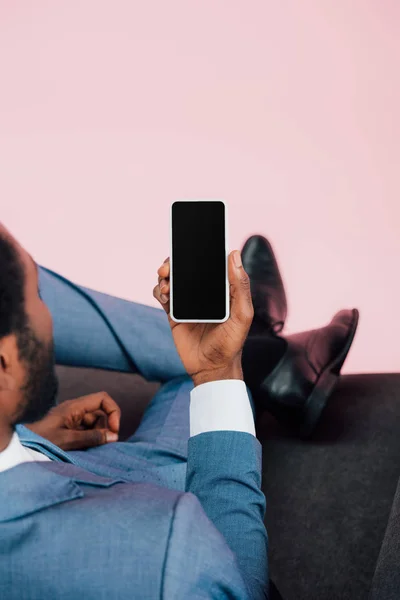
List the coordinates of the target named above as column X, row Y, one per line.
column 297, row 389
column 267, row 291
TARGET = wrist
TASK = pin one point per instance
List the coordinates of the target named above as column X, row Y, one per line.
column 233, row 371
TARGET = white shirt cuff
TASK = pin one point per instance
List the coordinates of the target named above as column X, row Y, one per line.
column 221, row 406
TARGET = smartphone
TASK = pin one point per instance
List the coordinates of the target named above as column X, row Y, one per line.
column 199, row 289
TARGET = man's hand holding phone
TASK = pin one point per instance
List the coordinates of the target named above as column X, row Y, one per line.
column 212, row 351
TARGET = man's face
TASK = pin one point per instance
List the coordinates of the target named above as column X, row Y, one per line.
column 36, row 379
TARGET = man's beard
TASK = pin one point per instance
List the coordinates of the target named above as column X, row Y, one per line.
column 40, row 388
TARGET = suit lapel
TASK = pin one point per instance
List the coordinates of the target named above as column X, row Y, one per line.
column 78, row 458
column 28, row 487
column 32, row 440
column 32, row 486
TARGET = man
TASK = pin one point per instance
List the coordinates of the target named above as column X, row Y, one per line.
column 177, row 510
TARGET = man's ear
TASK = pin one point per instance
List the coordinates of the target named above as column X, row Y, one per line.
column 8, row 358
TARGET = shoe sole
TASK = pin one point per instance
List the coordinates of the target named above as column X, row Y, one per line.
column 326, row 384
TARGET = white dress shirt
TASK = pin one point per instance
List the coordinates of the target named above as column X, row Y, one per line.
column 16, row 453
column 215, row 406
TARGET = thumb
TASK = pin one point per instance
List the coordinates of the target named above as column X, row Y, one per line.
column 240, row 292
column 88, row 438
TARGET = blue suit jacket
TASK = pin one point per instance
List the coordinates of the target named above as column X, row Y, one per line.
column 86, row 527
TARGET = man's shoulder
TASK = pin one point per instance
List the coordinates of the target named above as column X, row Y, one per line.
column 61, row 519
column 35, row 486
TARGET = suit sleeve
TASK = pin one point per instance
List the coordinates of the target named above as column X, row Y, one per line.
column 224, row 473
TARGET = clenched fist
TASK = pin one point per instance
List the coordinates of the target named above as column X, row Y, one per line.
column 81, row 423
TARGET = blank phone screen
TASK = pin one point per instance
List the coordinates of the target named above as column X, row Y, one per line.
column 198, row 260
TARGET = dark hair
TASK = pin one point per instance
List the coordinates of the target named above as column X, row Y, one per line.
column 40, row 386
column 13, row 318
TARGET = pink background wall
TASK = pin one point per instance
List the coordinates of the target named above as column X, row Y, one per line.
column 110, row 110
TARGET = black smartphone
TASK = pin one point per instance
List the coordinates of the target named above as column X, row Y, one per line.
column 199, row 290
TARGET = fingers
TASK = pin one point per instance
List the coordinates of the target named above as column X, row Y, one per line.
column 164, row 286
column 162, row 297
column 97, row 419
column 164, row 270
column 78, row 409
column 161, row 291
column 241, row 302
column 87, row 438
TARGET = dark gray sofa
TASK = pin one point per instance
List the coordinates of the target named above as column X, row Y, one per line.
column 328, row 499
